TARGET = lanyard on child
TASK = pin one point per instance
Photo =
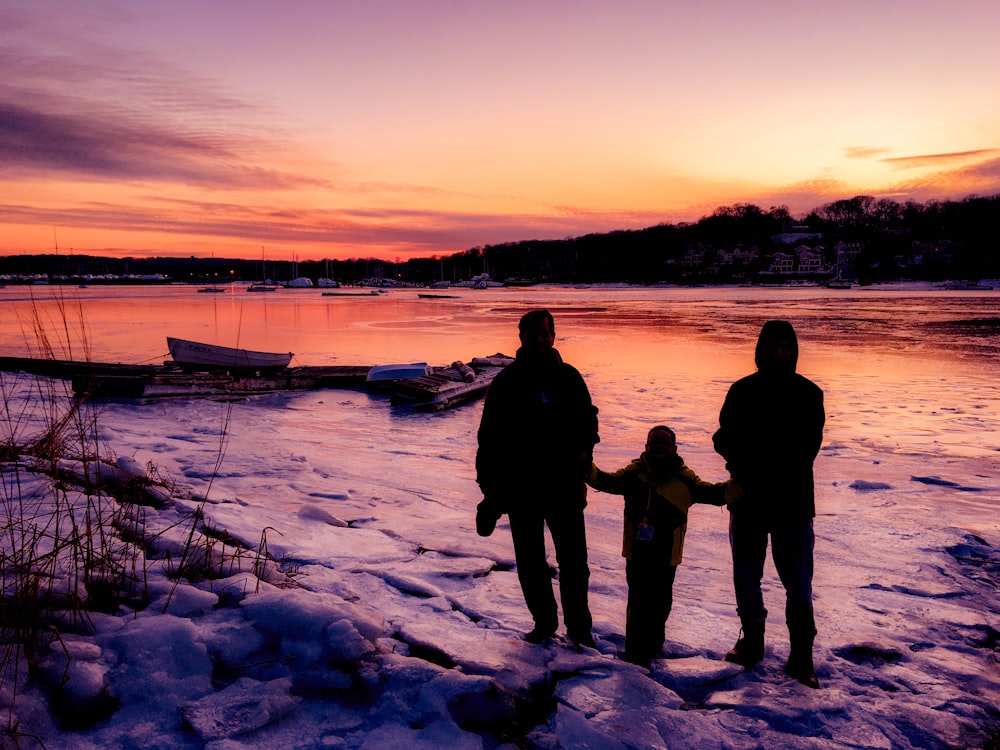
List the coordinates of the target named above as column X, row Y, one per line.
column 644, row 531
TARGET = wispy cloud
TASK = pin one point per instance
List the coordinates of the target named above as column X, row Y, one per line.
column 864, row 152
column 408, row 232
column 939, row 160
column 988, row 170
column 140, row 120
column 104, row 146
column 37, row 143
column 979, row 178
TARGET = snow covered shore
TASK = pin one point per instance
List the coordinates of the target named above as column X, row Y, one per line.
column 335, row 595
column 386, row 622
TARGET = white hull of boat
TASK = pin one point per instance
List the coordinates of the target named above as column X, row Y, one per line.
column 194, row 355
column 449, row 386
column 381, row 377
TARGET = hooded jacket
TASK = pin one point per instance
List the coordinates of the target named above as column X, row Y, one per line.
column 537, row 432
column 660, row 499
column 771, row 429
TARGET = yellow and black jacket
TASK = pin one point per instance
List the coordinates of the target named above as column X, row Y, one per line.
column 661, row 500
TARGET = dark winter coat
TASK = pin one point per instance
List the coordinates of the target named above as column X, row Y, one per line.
column 537, row 432
column 770, row 432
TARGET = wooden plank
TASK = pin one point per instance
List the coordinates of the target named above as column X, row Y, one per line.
column 109, row 380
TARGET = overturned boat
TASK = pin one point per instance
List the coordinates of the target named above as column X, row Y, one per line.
column 382, row 377
column 448, row 386
column 194, row 356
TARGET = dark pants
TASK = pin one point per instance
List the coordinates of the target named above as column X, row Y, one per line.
column 650, row 597
column 792, row 543
column 569, row 537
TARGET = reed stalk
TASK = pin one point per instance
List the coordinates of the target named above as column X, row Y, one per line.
column 74, row 537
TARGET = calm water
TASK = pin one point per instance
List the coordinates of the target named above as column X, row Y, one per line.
column 909, row 376
column 883, row 342
column 697, row 330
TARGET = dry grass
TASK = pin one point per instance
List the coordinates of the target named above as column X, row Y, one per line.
column 75, row 536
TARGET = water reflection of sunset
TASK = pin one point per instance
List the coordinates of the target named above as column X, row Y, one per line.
column 702, row 331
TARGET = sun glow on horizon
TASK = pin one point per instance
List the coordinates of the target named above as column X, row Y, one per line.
column 387, row 130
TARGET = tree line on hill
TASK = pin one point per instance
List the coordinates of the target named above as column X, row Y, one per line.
column 870, row 239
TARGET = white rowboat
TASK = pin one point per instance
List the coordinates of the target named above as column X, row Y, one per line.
column 192, row 355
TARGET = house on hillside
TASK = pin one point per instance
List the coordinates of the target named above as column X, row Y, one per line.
column 782, row 263
column 809, row 260
column 693, row 256
column 847, row 252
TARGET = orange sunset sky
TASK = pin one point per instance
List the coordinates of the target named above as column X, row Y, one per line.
column 392, row 129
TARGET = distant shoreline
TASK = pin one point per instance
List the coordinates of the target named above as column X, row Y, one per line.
column 901, row 285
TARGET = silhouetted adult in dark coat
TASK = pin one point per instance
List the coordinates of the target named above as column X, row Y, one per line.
column 770, row 432
column 536, row 442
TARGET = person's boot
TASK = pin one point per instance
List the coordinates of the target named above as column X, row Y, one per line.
column 800, row 661
column 540, row 633
column 749, row 649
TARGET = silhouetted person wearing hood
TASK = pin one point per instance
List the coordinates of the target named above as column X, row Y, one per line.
column 770, row 432
column 536, row 443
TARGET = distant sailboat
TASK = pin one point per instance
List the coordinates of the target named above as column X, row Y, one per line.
column 326, row 282
column 213, row 289
column 266, row 285
column 442, row 283
column 298, row 282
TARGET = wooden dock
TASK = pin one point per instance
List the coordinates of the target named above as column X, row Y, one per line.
column 449, row 386
column 107, row 380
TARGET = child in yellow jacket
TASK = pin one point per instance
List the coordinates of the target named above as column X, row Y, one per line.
column 658, row 490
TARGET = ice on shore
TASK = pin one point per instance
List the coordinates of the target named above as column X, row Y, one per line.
column 379, row 618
